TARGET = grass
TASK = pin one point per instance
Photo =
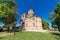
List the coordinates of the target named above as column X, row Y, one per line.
column 31, row 36
column 2, row 34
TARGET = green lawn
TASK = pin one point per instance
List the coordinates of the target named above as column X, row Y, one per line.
column 31, row 36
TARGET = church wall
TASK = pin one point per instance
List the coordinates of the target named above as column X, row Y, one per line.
column 33, row 25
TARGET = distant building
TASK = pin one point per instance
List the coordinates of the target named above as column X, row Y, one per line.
column 50, row 28
column 31, row 22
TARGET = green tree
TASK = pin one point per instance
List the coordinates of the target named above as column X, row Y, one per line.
column 45, row 24
column 55, row 19
column 8, row 12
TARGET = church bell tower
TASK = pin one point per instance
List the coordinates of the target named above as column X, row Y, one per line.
column 30, row 13
column 24, row 16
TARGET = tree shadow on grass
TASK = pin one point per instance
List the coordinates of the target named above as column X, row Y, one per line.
column 1, row 38
column 57, row 34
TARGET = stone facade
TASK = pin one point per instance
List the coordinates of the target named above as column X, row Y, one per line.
column 31, row 22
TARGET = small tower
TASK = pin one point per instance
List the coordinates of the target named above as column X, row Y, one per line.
column 30, row 12
column 24, row 16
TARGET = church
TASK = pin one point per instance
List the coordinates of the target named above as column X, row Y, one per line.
column 30, row 22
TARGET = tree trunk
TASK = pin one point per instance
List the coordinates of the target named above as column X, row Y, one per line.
column 8, row 29
column 58, row 28
column 14, row 29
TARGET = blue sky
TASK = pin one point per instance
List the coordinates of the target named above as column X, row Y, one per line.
column 41, row 8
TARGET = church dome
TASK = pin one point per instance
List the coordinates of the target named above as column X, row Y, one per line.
column 30, row 11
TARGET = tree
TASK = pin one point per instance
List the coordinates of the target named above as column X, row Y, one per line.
column 8, row 12
column 4, row 10
column 45, row 24
column 56, row 19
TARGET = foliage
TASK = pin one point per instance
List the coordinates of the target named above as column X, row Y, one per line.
column 56, row 19
column 45, row 24
column 4, row 11
column 8, row 11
